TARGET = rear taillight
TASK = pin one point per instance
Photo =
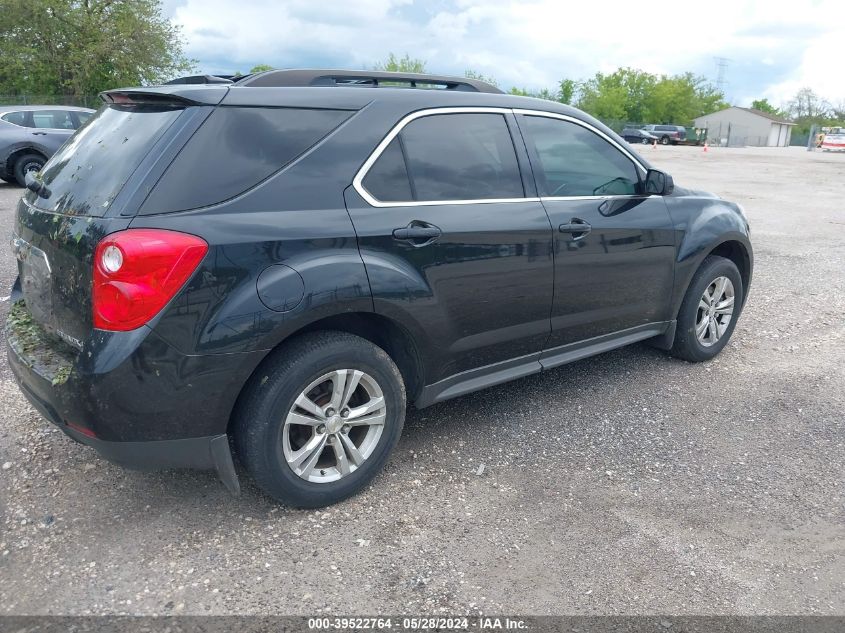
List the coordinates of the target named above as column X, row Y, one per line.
column 137, row 271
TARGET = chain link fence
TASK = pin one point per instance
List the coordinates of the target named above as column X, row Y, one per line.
column 84, row 101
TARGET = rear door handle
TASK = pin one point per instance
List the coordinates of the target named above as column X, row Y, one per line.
column 577, row 227
column 39, row 133
column 416, row 234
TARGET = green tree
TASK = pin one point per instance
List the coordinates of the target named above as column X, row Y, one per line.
column 260, row 68
column 763, row 105
column 635, row 96
column 808, row 106
column 568, row 87
column 406, row 64
column 471, row 74
column 64, row 48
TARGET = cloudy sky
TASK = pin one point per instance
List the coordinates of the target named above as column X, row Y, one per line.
column 774, row 48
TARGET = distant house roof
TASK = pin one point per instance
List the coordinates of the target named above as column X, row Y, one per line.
column 765, row 115
column 771, row 117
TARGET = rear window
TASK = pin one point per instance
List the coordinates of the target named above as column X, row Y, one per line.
column 234, row 150
column 90, row 169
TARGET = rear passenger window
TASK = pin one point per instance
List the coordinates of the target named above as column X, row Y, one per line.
column 234, row 150
column 448, row 157
column 52, row 119
column 388, row 177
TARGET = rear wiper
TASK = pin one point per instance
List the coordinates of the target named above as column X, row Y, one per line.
column 36, row 186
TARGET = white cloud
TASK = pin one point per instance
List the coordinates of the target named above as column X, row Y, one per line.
column 774, row 50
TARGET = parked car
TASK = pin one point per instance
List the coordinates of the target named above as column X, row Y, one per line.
column 29, row 135
column 667, row 133
column 636, row 135
column 281, row 265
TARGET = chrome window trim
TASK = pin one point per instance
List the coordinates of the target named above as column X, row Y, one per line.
column 591, row 128
column 357, row 181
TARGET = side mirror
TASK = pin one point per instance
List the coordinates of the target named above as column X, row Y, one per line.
column 659, row 183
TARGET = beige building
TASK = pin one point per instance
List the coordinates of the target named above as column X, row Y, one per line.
column 745, row 126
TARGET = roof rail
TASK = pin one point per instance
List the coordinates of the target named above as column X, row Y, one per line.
column 362, row 78
column 204, row 79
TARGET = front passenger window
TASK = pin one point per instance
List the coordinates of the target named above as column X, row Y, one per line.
column 577, row 162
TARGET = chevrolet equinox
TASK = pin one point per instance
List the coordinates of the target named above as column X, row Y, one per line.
column 274, row 267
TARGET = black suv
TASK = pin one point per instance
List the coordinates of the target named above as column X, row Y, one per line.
column 279, row 265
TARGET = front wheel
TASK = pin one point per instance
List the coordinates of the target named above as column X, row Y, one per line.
column 644, row 141
column 320, row 419
column 709, row 311
column 664, row 140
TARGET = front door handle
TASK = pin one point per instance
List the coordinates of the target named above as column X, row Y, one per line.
column 39, row 133
column 418, row 235
column 577, row 227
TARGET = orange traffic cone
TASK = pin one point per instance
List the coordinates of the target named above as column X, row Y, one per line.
column 654, row 144
column 705, row 147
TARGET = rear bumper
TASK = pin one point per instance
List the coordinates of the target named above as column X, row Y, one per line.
column 131, row 396
column 205, row 453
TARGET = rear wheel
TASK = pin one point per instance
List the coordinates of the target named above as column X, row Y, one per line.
column 664, row 140
column 25, row 164
column 709, row 311
column 320, row 419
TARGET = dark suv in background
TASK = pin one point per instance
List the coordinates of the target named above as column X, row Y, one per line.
column 667, row 133
column 280, row 265
column 29, row 135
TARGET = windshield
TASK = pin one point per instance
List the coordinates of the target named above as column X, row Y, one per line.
column 90, row 169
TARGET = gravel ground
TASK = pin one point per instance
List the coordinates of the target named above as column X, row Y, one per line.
column 629, row 483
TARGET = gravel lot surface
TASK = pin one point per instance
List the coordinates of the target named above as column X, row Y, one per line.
column 627, row 483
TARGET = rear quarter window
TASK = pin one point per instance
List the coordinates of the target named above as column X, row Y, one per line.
column 16, row 118
column 234, row 150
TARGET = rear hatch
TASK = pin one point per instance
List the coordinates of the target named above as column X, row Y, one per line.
column 58, row 228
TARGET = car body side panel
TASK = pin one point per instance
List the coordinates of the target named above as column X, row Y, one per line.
column 702, row 223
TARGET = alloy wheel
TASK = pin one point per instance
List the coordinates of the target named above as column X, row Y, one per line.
column 715, row 310
column 334, row 425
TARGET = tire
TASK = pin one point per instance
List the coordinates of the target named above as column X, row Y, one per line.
column 266, row 443
column 27, row 162
column 688, row 345
column 644, row 141
column 664, row 140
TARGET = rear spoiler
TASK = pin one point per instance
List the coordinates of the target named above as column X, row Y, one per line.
column 179, row 95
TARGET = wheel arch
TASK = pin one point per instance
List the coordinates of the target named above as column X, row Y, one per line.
column 737, row 252
column 14, row 154
column 732, row 246
column 388, row 334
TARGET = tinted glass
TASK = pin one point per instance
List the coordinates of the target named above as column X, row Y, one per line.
column 54, row 119
column 577, row 162
column 18, row 118
column 461, row 157
column 91, row 168
column 387, row 179
column 83, row 117
column 234, row 150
